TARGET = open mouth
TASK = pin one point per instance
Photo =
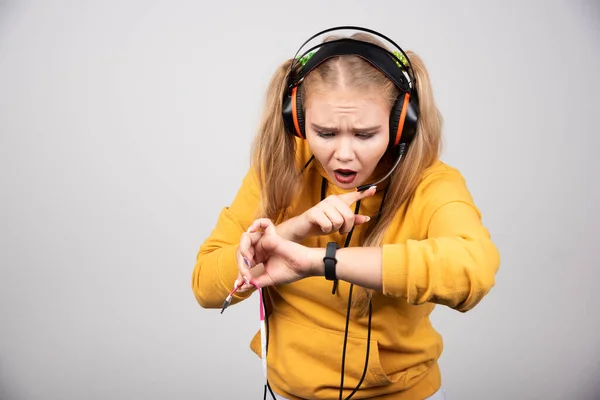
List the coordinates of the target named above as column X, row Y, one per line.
column 344, row 175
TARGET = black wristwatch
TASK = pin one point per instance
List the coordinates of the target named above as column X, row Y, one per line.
column 330, row 261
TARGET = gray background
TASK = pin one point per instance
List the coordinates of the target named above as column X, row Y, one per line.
column 125, row 128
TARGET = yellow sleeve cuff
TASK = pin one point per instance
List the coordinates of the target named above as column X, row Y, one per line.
column 228, row 272
column 394, row 271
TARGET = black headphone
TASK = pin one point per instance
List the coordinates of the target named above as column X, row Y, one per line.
column 396, row 67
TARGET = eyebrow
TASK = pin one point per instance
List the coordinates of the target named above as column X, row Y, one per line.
column 335, row 130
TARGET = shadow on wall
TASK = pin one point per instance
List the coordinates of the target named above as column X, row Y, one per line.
column 8, row 10
column 8, row 392
column 589, row 10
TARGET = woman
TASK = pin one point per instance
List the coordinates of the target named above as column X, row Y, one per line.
column 350, row 276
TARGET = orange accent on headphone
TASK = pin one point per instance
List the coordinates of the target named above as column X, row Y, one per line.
column 402, row 118
column 295, row 113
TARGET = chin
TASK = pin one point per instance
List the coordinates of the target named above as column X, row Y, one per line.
column 347, row 186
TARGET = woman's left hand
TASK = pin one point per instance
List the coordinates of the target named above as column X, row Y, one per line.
column 272, row 259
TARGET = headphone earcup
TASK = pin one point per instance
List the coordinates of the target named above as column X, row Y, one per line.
column 293, row 114
column 403, row 119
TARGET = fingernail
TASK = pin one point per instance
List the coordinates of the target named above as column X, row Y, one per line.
column 247, row 263
column 367, row 218
column 246, row 280
column 374, row 187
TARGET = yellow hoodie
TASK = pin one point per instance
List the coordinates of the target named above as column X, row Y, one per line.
column 435, row 252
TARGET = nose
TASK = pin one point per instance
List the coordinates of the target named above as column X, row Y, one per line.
column 344, row 151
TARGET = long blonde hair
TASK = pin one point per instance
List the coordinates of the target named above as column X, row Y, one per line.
column 274, row 151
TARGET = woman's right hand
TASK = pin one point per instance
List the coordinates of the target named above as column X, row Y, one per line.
column 330, row 215
column 333, row 214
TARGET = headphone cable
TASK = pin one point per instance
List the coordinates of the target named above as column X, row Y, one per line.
column 383, row 198
column 367, row 352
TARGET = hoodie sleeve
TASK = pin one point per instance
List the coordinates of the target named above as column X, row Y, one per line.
column 216, row 267
column 455, row 262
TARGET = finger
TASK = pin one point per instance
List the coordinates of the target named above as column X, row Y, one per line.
column 246, row 270
column 260, row 277
column 259, row 270
column 360, row 219
column 246, row 251
column 316, row 216
column 263, row 280
column 264, row 224
column 353, row 197
column 244, row 265
column 333, row 214
column 238, row 281
column 247, row 243
column 247, row 285
column 243, row 270
column 260, row 224
column 346, row 213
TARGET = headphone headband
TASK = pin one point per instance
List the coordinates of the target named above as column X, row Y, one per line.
column 354, row 28
column 394, row 65
column 384, row 61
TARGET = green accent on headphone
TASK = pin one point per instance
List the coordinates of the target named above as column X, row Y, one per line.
column 399, row 56
column 305, row 59
column 402, row 59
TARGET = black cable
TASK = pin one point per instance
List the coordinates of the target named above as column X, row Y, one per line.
column 346, row 244
column 308, row 162
column 345, row 341
column 270, row 391
column 267, row 385
column 323, row 188
column 362, row 378
column 348, row 322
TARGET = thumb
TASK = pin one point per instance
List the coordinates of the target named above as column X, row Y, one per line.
column 240, row 283
column 262, row 280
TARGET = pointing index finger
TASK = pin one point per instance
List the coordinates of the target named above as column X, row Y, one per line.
column 353, row 197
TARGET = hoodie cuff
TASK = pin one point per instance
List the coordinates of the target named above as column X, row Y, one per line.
column 393, row 270
column 228, row 271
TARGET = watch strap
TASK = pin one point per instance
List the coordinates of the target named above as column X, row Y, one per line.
column 330, row 261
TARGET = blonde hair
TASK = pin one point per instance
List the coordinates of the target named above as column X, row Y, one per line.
column 274, row 151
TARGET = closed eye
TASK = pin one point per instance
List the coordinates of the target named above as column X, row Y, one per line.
column 325, row 134
column 365, row 135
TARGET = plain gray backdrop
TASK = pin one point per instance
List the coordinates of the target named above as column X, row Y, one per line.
column 124, row 129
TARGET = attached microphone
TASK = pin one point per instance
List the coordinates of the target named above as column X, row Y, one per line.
column 362, row 188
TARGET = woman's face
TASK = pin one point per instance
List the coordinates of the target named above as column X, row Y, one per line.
column 348, row 132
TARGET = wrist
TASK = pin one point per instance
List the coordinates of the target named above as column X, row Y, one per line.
column 317, row 266
column 286, row 230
